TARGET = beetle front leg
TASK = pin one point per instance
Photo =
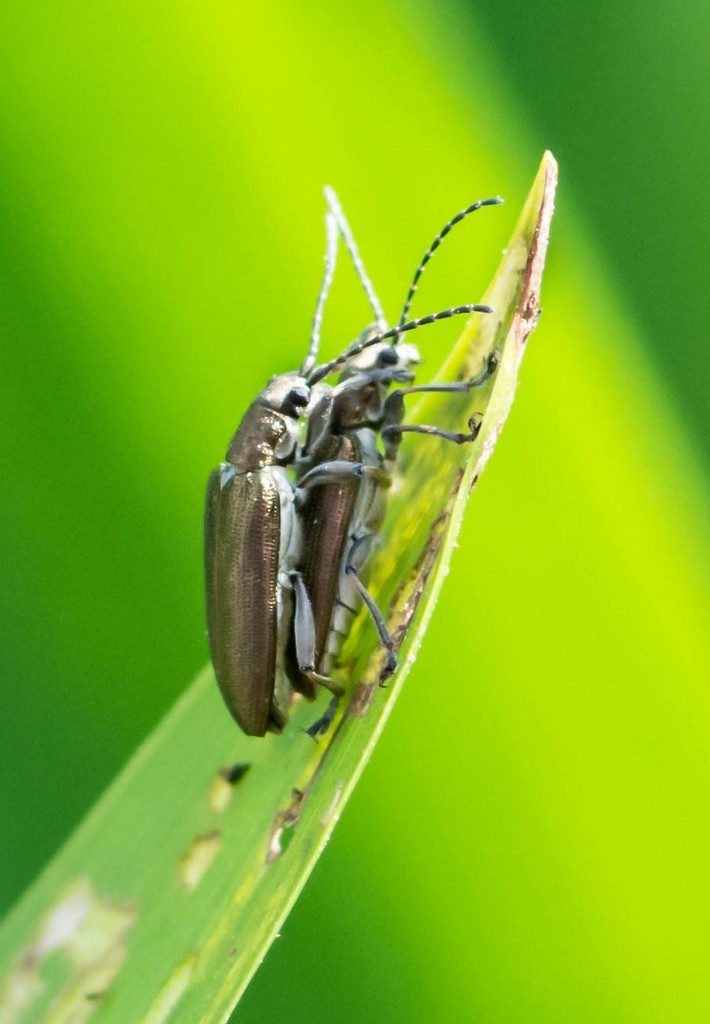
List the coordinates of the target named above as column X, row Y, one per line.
column 305, row 636
column 490, row 367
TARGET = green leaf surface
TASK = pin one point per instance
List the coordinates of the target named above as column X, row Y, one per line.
column 163, row 903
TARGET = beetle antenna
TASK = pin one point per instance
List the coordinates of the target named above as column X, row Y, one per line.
column 331, row 253
column 337, row 211
column 374, row 339
column 495, row 201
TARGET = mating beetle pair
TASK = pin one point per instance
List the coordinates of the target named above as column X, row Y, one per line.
column 294, row 511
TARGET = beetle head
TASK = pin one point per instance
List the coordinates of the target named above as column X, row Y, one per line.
column 381, row 356
column 288, row 393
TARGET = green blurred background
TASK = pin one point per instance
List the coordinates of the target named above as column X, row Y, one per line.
column 530, row 842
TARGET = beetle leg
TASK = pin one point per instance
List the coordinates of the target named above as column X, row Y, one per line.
column 393, row 410
column 391, row 435
column 338, row 470
column 305, row 636
column 490, row 367
column 375, row 613
column 322, row 724
column 394, row 405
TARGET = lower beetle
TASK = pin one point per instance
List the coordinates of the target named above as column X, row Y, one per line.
column 258, row 600
column 341, row 521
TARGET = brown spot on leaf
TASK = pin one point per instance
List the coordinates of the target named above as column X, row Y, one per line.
column 282, row 822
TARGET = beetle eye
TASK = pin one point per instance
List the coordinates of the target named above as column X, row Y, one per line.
column 298, row 397
column 388, row 356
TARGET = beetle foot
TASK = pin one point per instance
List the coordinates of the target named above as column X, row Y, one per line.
column 322, row 724
column 389, row 667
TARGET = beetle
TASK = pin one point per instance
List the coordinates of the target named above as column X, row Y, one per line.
column 341, row 507
column 257, row 600
column 341, row 521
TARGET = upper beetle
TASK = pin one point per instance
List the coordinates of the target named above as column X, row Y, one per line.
column 252, row 543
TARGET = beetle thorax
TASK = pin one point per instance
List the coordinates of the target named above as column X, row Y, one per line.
column 268, row 433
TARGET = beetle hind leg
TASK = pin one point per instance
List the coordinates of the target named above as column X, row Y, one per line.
column 351, row 570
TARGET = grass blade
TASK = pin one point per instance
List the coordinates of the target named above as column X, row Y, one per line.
column 165, row 900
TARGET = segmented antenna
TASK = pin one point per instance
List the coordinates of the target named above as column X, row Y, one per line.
column 337, row 211
column 495, row 201
column 331, row 253
column 358, row 346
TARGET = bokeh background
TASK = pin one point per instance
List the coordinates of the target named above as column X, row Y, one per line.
column 530, row 842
